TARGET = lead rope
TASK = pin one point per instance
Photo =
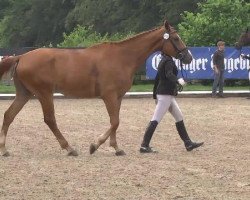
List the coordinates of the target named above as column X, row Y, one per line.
column 182, row 69
column 179, row 86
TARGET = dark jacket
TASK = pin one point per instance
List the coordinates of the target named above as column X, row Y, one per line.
column 218, row 60
column 166, row 78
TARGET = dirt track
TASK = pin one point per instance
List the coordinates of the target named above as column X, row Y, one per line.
column 39, row 169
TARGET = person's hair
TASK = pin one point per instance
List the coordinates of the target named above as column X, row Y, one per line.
column 220, row 43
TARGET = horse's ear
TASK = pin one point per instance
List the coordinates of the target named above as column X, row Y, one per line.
column 167, row 25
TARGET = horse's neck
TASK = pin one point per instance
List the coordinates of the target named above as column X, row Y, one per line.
column 141, row 46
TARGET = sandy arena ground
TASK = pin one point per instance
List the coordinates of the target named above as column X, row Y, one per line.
column 38, row 169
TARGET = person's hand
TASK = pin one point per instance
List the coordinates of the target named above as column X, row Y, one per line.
column 216, row 71
column 179, row 88
column 181, row 82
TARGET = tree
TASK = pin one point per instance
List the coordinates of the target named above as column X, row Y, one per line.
column 172, row 9
column 34, row 22
column 108, row 16
column 113, row 16
column 216, row 19
column 4, row 4
column 40, row 23
column 12, row 29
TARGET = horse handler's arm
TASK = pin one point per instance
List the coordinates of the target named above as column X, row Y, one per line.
column 215, row 68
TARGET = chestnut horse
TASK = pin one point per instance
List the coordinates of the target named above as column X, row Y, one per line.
column 105, row 70
column 243, row 40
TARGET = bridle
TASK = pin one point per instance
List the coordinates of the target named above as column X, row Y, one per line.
column 180, row 54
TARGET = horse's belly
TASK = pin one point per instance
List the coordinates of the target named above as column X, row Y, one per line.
column 78, row 90
column 77, row 94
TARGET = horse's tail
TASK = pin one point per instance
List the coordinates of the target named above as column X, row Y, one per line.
column 7, row 63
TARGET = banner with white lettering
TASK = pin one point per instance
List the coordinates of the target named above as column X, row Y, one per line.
column 201, row 66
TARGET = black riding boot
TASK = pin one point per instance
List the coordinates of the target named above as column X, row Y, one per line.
column 147, row 137
column 185, row 138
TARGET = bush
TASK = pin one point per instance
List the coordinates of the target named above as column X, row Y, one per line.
column 215, row 19
column 85, row 37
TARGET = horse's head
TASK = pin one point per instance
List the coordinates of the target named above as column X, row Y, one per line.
column 174, row 46
column 243, row 40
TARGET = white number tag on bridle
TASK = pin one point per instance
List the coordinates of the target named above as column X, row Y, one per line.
column 166, row 36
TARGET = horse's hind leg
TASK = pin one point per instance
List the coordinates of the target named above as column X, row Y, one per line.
column 113, row 105
column 49, row 118
column 22, row 97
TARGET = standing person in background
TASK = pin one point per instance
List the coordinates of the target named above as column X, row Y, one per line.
column 219, row 68
column 165, row 89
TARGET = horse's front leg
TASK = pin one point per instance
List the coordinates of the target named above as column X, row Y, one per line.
column 113, row 105
column 113, row 142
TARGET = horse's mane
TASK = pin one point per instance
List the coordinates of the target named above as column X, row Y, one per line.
column 136, row 36
column 127, row 39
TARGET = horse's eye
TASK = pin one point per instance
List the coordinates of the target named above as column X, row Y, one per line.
column 176, row 39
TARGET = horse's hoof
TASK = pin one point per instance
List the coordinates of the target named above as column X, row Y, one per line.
column 6, row 154
column 73, row 153
column 120, row 153
column 92, row 148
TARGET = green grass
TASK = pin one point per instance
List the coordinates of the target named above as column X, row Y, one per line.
column 196, row 87
column 4, row 89
column 144, row 88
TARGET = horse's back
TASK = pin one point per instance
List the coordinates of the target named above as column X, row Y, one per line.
column 76, row 72
column 73, row 72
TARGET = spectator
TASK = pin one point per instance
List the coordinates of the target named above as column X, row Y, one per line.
column 219, row 68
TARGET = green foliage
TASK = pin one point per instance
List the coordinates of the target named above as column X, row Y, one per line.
column 216, row 19
column 33, row 22
column 4, row 4
column 6, row 89
column 107, row 16
column 111, row 16
column 42, row 23
column 82, row 37
column 86, row 36
column 173, row 9
column 11, row 28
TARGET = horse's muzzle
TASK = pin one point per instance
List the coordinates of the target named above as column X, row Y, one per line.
column 185, row 56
